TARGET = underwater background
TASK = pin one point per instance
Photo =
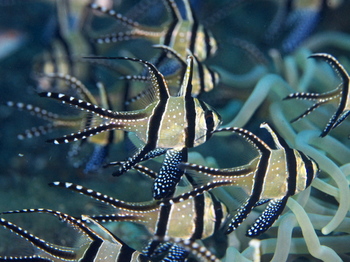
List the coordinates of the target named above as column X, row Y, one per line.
column 249, row 61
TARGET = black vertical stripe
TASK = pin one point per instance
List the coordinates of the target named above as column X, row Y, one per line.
column 193, row 39
column 194, row 30
column 310, row 172
column 169, row 34
column 200, row 75
column 291, row 170
column 217, row 205
column 209, row 119
column 199, row 206
column 255, row 195
column 125, row 254
column 190, row 131
column 155, row 123
column 212, row 77
column 291, row 161
column 259, row 178
column 92, row 251
column 163, row 220
column 173, row 24
column 208, row 47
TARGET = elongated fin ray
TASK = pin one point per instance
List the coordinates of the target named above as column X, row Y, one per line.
column 193, row 193
column 125, row 36
column 340, row 120
column 341, row 93
column 146, row 171
column 249, row 136
column 112, row 13
column 85, row 133
column 37, row 242
column 36, row 111
column 158, row 81
column 144, row 207
column 320, row 100
column 25, row 259
column 306, row 96
column 344, row 93
column 120, row 217
column 335, row 64
column 76, row 223
column 74, row 84
column 234, row 172
column 308, row 111
column 186, row 86
column 35, row 131
column 81, row 104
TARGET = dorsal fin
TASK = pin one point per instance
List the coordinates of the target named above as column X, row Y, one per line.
column 157, row 78
column 186, row 86
column 117, row 16
column 280, row 143
column 249, row 136
column 174, row 10
column 173, row 52
column 335, row 64
column 111, row 237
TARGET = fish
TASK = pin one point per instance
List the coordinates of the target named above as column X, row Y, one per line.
column 183, row 34
column 339, row 94
column 271, row 177
column 204, row 78
column 97, row 247
column 101, row 143
column 167, row 125
column 100, row 246
column 198, row 215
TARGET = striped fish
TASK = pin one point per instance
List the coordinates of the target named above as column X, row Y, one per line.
column 170, row 125
column 98, row 248
column 272, row 177
column 198, row 215
column 339, row 94
column 183, row 34
column 204, row 78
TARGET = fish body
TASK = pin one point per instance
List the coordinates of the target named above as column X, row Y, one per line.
column 272, row 177
column 96, row 248
column 182, row 34
column 197, row 216
column 168, row 123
